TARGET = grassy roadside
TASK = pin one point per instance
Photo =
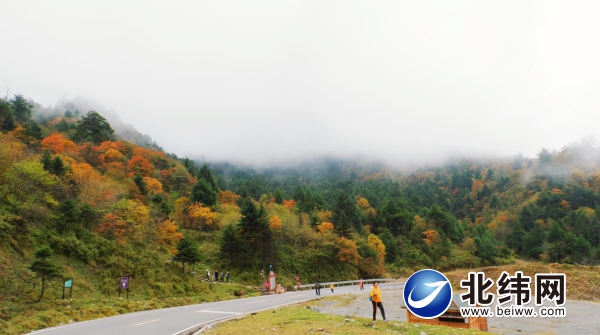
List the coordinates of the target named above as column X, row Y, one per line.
column 22, row 317
column 300, row 319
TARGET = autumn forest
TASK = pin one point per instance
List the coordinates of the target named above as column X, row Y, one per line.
column 81, row 200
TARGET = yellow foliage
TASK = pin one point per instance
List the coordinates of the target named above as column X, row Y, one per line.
column 168, row 236
column 325, row 226
column 469, row 245
column 477, row 185
column 370, row 212
column 228, row 198
column 275, row 223
column 348, row 250
column 111, row 155
column 289, row 204
column 200, row 217
column 180, row 210
column 430, row 236
column 362, row 203
column 377, row 245
column 95, row 189
column 152, row 185
column 325, row 216
column 228, row 214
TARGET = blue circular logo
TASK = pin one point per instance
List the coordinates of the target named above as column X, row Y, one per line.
column 427, row 294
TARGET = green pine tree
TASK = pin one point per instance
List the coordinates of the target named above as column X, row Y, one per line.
column 45, row 268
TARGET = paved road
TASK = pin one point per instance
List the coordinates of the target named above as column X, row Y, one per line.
column 171, row 321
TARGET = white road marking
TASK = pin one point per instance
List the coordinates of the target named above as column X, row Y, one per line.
column 143, row 323
column 219, row 312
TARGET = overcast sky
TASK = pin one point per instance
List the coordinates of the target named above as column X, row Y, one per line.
column 261, row 81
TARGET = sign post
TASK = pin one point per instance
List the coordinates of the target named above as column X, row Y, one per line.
column 124, row 285
column 68, row 284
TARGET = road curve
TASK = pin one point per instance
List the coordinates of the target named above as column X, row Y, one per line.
column 176, row 320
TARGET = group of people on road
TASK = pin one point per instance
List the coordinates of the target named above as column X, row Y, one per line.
column 215, row 276
column 374, row 297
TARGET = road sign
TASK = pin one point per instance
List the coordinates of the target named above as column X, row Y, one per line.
column 124, row 283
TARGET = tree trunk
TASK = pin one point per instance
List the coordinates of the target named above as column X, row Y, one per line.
column 43, row 287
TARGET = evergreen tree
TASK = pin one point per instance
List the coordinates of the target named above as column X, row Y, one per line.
column 255, row 235
column 534, row 241
column 139, row 181
column 33, row 130
column 392, row 250
column 22, row 108
column 68, row 216
column 527, row 217
column 494, row 202
column 278, row 197
column 204, row 193
column 230, row 244
column 94, row 128
column 63, row 126
column 44, row 267
column 57, row 167
column 490, row 175
column 46, row 161
column 7, row 117
column 206, row 174
column 88, row 216
column 514, row 239
column 346, row 215
column 187, row 252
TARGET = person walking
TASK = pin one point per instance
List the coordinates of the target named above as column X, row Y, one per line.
column 362, row 284
column 318, row 288
column 375, row 297
column 222, row 277
column 207, row 275
column 331, row 287
column 216, row 276
column 227, row 276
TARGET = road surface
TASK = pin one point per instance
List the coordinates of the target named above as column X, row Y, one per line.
column 176, row 320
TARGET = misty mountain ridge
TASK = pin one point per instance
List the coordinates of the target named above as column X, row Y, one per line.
column 80, row 106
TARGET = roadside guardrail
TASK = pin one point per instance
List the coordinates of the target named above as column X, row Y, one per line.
column 348, row 283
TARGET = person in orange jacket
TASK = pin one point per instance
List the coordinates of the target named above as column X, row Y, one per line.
column 375, row 297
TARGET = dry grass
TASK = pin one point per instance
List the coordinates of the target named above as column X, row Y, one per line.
column 583, row 282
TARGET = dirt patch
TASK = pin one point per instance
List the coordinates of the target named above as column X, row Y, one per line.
column 581, row 315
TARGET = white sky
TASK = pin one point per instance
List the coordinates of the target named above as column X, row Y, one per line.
column 261, row 81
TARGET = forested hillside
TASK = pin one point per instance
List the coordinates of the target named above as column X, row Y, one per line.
column 77, row 200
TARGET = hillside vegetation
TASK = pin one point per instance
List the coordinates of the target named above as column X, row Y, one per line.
column 79, row 201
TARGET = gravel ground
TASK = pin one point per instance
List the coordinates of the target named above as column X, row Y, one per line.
column 583, row 317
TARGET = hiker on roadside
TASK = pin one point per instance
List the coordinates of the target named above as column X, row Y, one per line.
column 362, row 284
column 207, row 275
column 217, row 276
column 227, row 276
column 318, row 288
column 375, row 297
column 222, row 277
column 331, row 287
